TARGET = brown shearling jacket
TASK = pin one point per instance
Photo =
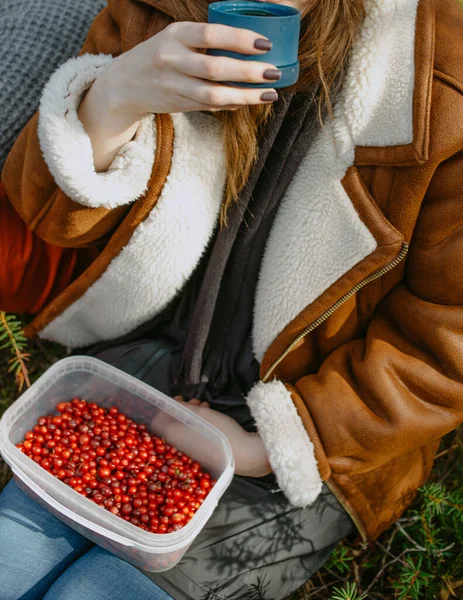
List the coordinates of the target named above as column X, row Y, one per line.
column 373, row 363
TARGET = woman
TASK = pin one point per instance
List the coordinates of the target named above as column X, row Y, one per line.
column 330, row 296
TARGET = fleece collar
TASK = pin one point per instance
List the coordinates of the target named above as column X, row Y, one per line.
column 322, row 231
column 402, row 66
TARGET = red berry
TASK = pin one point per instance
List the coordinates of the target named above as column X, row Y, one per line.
column 177, row 518
column 205, row 483
column 126, row 508
column 104, row 472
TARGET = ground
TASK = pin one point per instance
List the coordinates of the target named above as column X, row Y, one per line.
column 418, row 558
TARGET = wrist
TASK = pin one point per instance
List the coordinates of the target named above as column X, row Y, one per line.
column 112, row 99
column 256, row 463
column 114, row 89
column 106, row 121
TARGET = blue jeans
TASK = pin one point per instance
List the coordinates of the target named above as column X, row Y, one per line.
column 41, row 558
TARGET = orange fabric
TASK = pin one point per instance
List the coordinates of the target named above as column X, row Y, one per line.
column 32, row 272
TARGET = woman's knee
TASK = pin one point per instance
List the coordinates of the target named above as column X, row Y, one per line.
column 99, row 574
column 35, row 547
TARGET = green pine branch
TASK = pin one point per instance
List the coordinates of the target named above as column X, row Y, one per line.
column 12, row 338
column 349, row 592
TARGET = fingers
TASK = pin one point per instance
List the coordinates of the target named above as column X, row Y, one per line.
column 219, row 68
column 213, row 96
column 209, row 35
column 198, row 402
column 193, row 401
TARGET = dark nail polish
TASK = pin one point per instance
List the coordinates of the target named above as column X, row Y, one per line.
column 269, row 96
column 272, row 74
column 263, row 44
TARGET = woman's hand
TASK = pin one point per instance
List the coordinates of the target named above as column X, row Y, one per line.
column 248, row 449
column 170, row 73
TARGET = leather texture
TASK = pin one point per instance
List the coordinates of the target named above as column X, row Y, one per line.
column 380, row 381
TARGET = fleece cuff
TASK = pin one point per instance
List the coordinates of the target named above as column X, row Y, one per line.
column 67, row 148
column 291, row 453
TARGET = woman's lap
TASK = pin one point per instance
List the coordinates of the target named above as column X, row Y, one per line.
column 100, row 575
column 253, row 539
column 256, row 540
column 35, row 547
column 40, row 557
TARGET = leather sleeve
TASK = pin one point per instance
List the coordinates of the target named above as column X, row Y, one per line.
column 401, row 387
column 29, row 185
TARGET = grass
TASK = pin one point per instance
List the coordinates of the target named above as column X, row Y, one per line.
column 419, row 558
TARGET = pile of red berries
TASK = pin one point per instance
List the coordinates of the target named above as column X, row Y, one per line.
column 119, row 465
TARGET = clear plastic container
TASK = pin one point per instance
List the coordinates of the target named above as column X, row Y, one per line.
column 97, row 382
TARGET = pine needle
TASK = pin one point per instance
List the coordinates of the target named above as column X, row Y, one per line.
column 12, row 338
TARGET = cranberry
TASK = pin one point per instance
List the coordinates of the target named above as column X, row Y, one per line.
column 104, row 472
column 177, row 518
column 126, row 508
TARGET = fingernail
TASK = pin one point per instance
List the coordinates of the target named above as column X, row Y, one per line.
column 263, row 44
column 272, row 74
column 269, row 97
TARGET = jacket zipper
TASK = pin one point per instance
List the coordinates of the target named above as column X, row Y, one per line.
column 324, row 316
column 311, row 327
column 361, row 529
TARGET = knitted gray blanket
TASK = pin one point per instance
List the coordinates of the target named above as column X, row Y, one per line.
column 36, row 36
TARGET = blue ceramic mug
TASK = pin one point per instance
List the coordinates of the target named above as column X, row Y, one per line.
column 279, row 23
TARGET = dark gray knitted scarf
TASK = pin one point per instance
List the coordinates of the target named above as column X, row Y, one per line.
column 222, row 315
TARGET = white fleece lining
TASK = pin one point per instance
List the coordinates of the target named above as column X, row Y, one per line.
column 67, row 148
column 377, row 98
column 290, row 451
column 164, row 249
column 317, row 235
